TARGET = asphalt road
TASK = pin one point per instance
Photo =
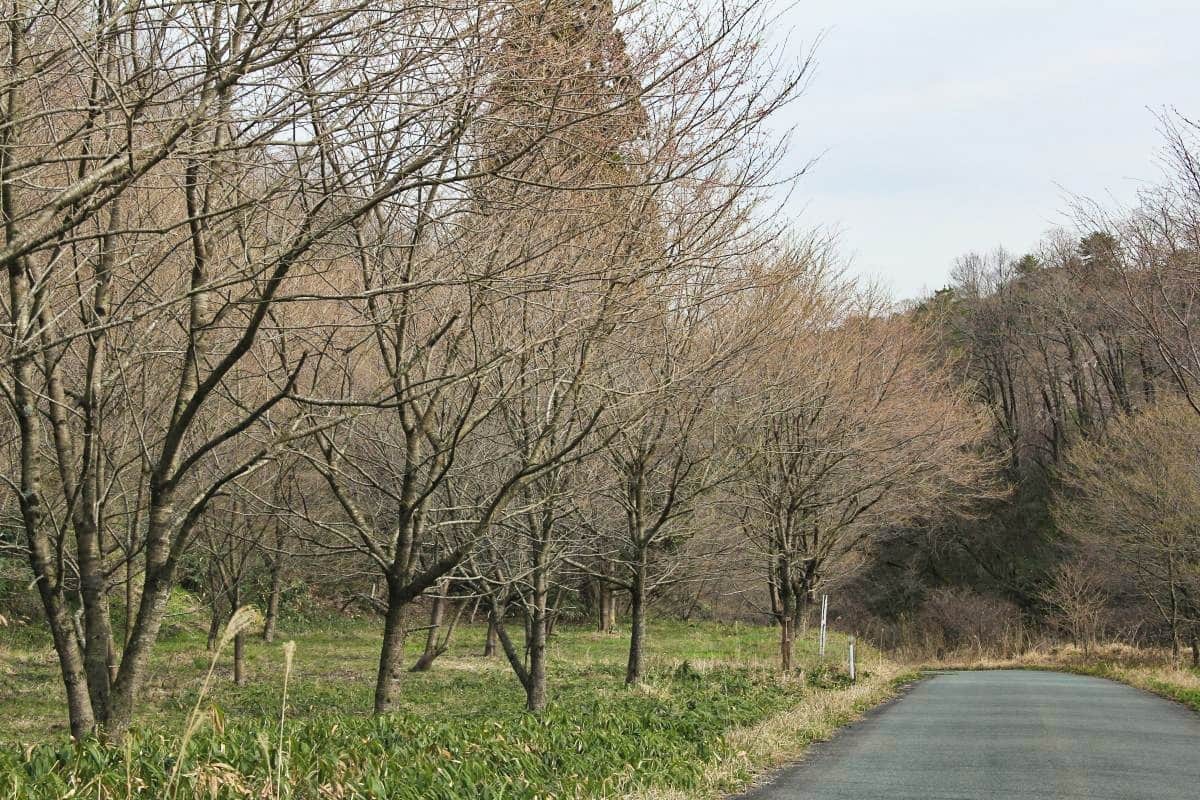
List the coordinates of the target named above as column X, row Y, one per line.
column 1006, row 735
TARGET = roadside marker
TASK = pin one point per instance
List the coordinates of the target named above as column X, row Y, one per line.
column 824, row 617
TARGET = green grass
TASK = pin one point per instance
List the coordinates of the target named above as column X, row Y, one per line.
column 459, row 730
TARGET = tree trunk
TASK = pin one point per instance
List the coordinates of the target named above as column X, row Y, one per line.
column 535, row 690
column 152, row 608
column 553, row 614
column 535, row 643
column 272, row 615
column 80, row 634
column 391, row 654
column 239, row 661
column 610, row 610
column 42, row 557
column 70, row 661
column 637, row 628
column 604, row 595
column 132, row 530
column 773, row 588
column 596, row 601
column 442, row 646
column 436, row 611
column 97, row 631
column 239, row 640
column 113, row 662
column 214, row 626
column 787, row 612
column 129, row 601
column 785, row 643
column 800, row 616
column 1175, row 649
column 524, row 675
column 489, row 644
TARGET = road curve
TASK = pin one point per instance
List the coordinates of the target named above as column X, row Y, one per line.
column 1006, row 735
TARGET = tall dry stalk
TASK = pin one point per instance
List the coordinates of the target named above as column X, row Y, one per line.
column 244, row 618
column 289, row 651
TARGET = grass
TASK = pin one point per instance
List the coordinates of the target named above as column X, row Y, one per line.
column 710, row 714
column 335, row 666
column 782, row 738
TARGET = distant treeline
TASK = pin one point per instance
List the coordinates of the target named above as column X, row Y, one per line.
column 1086, row 354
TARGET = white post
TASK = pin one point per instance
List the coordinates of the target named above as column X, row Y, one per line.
column 824, row 617
column 852, row 670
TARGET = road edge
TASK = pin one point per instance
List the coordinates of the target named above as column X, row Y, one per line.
column 758, row 752
column 1178, row 683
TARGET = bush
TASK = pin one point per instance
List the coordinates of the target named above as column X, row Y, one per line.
column 957, row 620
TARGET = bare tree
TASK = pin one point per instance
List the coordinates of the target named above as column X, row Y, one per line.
column 662, row 459
column 849, row 443
column 1134, row 497
column 1153, row 256
column 388, row 241
column 213, row 157
column 1078, row 595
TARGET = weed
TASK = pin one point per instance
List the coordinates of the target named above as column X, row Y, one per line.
column 460, row 731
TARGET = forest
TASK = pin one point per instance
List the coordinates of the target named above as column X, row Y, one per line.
column 1083, row 354
column 468, row 340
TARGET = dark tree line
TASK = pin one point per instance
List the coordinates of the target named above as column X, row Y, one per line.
column 1066, row 347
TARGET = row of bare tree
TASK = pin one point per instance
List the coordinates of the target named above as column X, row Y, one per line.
column 474, row 301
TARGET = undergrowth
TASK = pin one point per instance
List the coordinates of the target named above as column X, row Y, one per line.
column 461, row 732
column 572, row 750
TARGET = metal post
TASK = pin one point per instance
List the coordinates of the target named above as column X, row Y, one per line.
column 853, row 673
column 824, row 618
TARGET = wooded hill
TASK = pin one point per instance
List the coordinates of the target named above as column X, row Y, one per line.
column 1083, row 353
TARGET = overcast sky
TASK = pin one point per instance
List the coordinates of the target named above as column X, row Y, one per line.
column 944, row 126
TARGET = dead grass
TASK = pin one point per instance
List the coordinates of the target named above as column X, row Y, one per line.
column 1048, row 655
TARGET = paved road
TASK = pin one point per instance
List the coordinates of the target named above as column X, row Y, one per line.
column 1009, row 735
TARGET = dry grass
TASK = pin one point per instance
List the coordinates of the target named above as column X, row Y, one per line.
column 782, row 738
column 1053, row 656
